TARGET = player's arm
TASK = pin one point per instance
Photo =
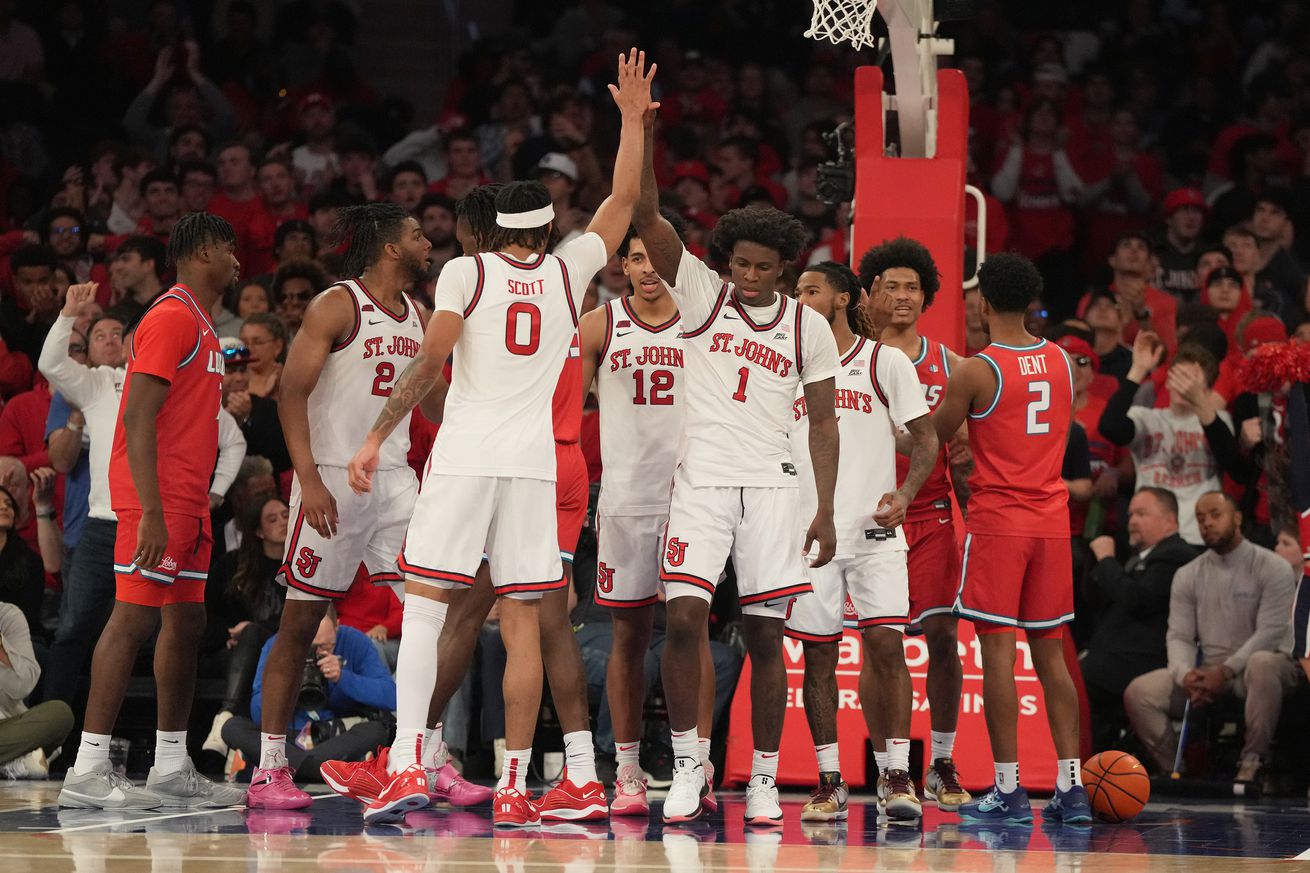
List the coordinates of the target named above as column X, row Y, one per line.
column 971, row 381
column 145, row 397
column 820, row 401
column 632, row 95
column 329, row 317
column 908, row 408
column 433, row 406
column 658, row 236
column 591, row 336
column 419, row 378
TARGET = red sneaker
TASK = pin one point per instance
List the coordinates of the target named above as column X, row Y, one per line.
column 405, row 792
column 570, row 802
column 512, row 808
column 359, row 780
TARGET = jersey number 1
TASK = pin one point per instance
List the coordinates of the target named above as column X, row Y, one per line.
column 1040, row 403
column 514, row 328
column 740, row 396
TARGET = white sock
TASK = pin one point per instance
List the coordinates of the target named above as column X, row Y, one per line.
column 1068, row 773
column 627, row 755
column 686, row 745
column 829, row 758
column 170, row 751
column 93, row 750
column 272, row 751
column 880, row 758
column 434, row 751
column 1007, row 776
column 515, row 770
column 764, row 764
column 416, row 675
column 580, row 757
column 898, row 754
column 703, row 747
column 943, row 744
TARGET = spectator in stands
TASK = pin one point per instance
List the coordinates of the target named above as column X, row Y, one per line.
column 1106, row 320
column 514, row 120
column 1244, row 249
column 463, row 166
column 130, row 168
column 66, row 233
column 256, row 416
column 244, row 605
column 352, row 682
column 277, row 187
column 357, row 155
column 1232, row 605
column 1122, row 186
column 22, row 577
column 1141, row 304
column 237, row 200
column 187, row 142
column 1288, row 547
column 406, row 183
column 559, row 173
column 23, row 59
column 1223, row 291
column 196, row 103
column 253, row 480
column 295, row 240
column 1281, row 279
column 315, row 160
column 1131, row 601
column 163, row 204
column 27, row 736
column 199, row 182
column 266, row 337
column 1172, row 447
column 21, row 312
column 294, row 285
column 1179, row 247
column 374, row 609
column 436, row 214
column 137, row 275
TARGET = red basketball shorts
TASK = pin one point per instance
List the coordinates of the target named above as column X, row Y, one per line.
column 181, row 573
column 571, row 493
column 1016, row 581
column 934, row 566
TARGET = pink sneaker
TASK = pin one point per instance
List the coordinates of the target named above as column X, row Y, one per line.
column 446, row 785
column 630, row 792
column 275, row 789
column 708, row 802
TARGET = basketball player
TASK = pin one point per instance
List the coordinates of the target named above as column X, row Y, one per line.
column 907, row 279
column 632, row 349
column 355, row 340
column 877, row 393
column 747, row 348
column 165, row 445
column 510, row 318
column 1017, row 568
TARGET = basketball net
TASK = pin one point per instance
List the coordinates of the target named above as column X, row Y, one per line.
column 840, row 21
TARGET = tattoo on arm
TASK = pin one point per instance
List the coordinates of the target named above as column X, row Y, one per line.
column 409, row 390
column 923, row 455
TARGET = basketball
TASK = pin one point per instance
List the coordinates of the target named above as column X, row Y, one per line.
column 1117, row 784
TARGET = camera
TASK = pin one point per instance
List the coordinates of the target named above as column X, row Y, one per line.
column 836, row 179
column 313, row 687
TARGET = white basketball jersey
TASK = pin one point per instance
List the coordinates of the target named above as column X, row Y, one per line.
column 357, row 378
column 519, row 318
column 877, row 390
column 742, row 377
column 640, row 383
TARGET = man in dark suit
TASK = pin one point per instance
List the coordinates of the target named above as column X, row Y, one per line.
column 1130, row 632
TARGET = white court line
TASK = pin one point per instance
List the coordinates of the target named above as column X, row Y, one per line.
column 150, row 818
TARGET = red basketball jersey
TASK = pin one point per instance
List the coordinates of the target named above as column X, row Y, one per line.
column 1018, row 443
column 175, row 341
column 566, row 404
column 934, row 497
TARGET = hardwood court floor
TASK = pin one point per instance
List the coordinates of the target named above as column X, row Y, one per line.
column 1168, row 837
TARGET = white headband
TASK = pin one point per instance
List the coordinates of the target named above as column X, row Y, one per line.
column 533, row 218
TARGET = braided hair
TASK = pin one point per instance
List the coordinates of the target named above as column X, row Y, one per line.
column 195, row 231
column 844, row 281
column 367, row 228
column 478, row 208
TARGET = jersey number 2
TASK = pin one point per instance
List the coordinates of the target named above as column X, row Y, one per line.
column 514, row 328
column 382, row 381
column 1041, row 402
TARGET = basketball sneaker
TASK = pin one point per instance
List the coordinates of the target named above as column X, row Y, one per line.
column 447, row 785
column 569, row 801
column 512, row 808
column 359, row 780
column 708, row 803
column 187, row 788
column 998, row 806
column 102, row 788
column 901, row 802
column 762, row 802
column 1070, row 807
column 684, row 800
column 275, row 789
column 828, row 801
column 405, row 791
column 942, row 784
column 630, row 792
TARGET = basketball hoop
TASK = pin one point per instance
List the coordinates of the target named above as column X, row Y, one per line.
column 840, row 21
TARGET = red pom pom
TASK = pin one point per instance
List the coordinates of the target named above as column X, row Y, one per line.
column 1269, row 367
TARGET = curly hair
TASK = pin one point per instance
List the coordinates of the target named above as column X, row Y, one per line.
column 762, row 225
column 298, row 269
column 843, row 280
column 902, row 252
column 1009, row 282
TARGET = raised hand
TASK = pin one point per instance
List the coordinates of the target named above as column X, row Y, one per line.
column 632, row 93
column 78, row 296
column 1148, row 351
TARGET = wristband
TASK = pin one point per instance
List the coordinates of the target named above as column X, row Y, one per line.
column 46, row 515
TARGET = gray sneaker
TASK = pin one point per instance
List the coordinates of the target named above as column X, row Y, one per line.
column 102, row 788
column 187, row 788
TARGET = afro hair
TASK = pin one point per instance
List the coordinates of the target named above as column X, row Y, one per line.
column 902, row 252
column 1009, row 282
column 762, row 225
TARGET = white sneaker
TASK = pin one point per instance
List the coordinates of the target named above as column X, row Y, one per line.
column 762, row 802
column 102, row 788
column 214, row 742
column 187, row 788
column 683, row 802
column 30, row 766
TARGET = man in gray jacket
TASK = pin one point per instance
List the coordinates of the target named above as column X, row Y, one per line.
column 1233, row 602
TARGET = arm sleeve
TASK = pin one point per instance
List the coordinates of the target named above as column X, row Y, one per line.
column 1144, row 592
column 136, row 120
column 1180, row 639
column 697, row 289
column 583, row 258
column 456, row 286
column 166, row 337
column 19, row 680
column 1227, row 456
column 819, row 348
column 1077, row 457
column 222, row 118
column 1005, row 181
column 901, row 384
column 75, row 381
column 1298, row 445
column 365, row 679
column 1277, row 588
column 231, row 452
column 1116, row 424
column 1066, row 177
